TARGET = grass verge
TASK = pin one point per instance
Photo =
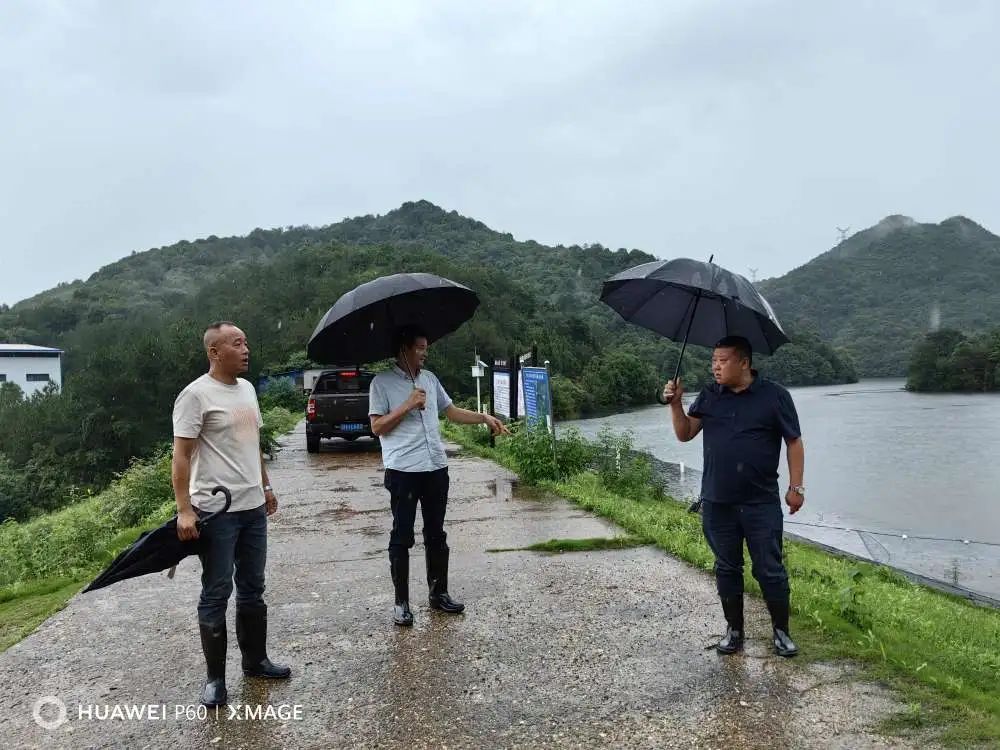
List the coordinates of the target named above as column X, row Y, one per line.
column 589, row 544
column 44, row 562
column 21, row 611
column 941, row 653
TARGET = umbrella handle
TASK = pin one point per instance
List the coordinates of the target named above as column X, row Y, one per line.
column 229, row 501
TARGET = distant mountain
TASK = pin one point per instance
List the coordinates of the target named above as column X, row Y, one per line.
column 879, row 291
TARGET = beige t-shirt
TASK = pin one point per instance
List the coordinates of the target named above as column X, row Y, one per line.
column 226, row 421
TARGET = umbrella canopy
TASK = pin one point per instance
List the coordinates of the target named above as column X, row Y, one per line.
column 155, row 550
column 361, row 325
column 695, row 302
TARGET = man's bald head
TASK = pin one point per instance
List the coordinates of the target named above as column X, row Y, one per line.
column 227, row 350
column 216, row 332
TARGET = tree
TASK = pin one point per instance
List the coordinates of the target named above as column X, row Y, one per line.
column 929, row 368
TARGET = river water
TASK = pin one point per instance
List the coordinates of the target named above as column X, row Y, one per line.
column 882, row 460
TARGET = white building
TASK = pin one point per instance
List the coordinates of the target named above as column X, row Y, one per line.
column 31, row 367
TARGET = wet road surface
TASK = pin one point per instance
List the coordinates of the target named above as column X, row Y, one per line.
column 587, row 649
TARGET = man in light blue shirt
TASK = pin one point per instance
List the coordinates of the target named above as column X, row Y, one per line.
column 405, row 404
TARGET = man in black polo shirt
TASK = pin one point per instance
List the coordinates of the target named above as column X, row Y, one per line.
column 744, row 419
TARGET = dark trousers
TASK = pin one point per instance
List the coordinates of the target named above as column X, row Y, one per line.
column 406, row 489
column 726, row 527
column 232, row 543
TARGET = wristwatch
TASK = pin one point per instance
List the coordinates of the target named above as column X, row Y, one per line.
column 267, row 488
column 798, row 489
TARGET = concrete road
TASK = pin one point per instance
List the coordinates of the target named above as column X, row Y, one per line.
column 593, row 650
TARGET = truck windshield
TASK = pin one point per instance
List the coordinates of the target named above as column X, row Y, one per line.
column 345, row 382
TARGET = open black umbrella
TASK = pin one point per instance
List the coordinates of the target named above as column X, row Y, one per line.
column 692, row 301
column 155, row 550
column 360, row 326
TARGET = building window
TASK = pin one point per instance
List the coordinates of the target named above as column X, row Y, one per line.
column 3, row 378
column 38, row 377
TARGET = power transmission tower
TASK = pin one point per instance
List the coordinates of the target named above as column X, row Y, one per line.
column 843, row 233
column 753, row 274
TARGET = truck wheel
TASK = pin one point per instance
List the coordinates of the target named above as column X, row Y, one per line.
column 312, row 443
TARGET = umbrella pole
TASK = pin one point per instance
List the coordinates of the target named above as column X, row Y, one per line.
column 696, row 505
column 677, row 370
column 680, row 359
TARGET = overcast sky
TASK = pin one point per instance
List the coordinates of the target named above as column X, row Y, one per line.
column 746, row 129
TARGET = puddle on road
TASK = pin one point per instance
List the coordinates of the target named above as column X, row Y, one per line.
column 344, row 512
column 369, row 531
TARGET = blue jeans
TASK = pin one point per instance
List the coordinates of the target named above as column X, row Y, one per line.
column 232, row 542
column 726, row 527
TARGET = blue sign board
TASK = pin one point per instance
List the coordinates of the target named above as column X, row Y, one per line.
column 537, row 396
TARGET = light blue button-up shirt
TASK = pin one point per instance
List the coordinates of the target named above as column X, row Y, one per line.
column 415, row 444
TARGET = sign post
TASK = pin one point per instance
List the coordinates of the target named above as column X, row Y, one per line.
column 552, row 413
column 501, row 390
column 478, row 371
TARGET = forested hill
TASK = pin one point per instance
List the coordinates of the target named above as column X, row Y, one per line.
column 132, row 332
column 877, row 293
column 161, row 277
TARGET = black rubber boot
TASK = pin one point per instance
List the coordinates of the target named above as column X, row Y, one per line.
column 213, row 644
column 732, row 641
column 399, row 568
column 437, row 583
column 783, row 643
column 251, row 634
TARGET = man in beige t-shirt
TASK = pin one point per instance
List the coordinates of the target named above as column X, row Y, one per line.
column 216, row 441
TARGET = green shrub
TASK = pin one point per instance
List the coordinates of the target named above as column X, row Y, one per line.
column 466, row 434
column 282, row 392
column 277, row 422
column 569, row 400
column 139, row 491
column 621, row 468
column 531, row 451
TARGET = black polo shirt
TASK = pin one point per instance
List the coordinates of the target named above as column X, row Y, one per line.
column 742, row 440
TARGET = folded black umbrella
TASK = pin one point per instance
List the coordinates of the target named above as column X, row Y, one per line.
column 155, row 550
column 361, row 325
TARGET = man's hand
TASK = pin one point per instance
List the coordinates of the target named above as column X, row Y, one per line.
column 417, row 399
column 187, row 525
column 794, row 501
column 270, row 502
column 496, row 426
column 672, row 390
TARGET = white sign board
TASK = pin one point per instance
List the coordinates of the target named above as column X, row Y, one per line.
column 501, row 394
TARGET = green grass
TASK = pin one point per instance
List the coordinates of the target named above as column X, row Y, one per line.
column 23, row 608
column 940, row 652
column 45, row 561
column 579, row 545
